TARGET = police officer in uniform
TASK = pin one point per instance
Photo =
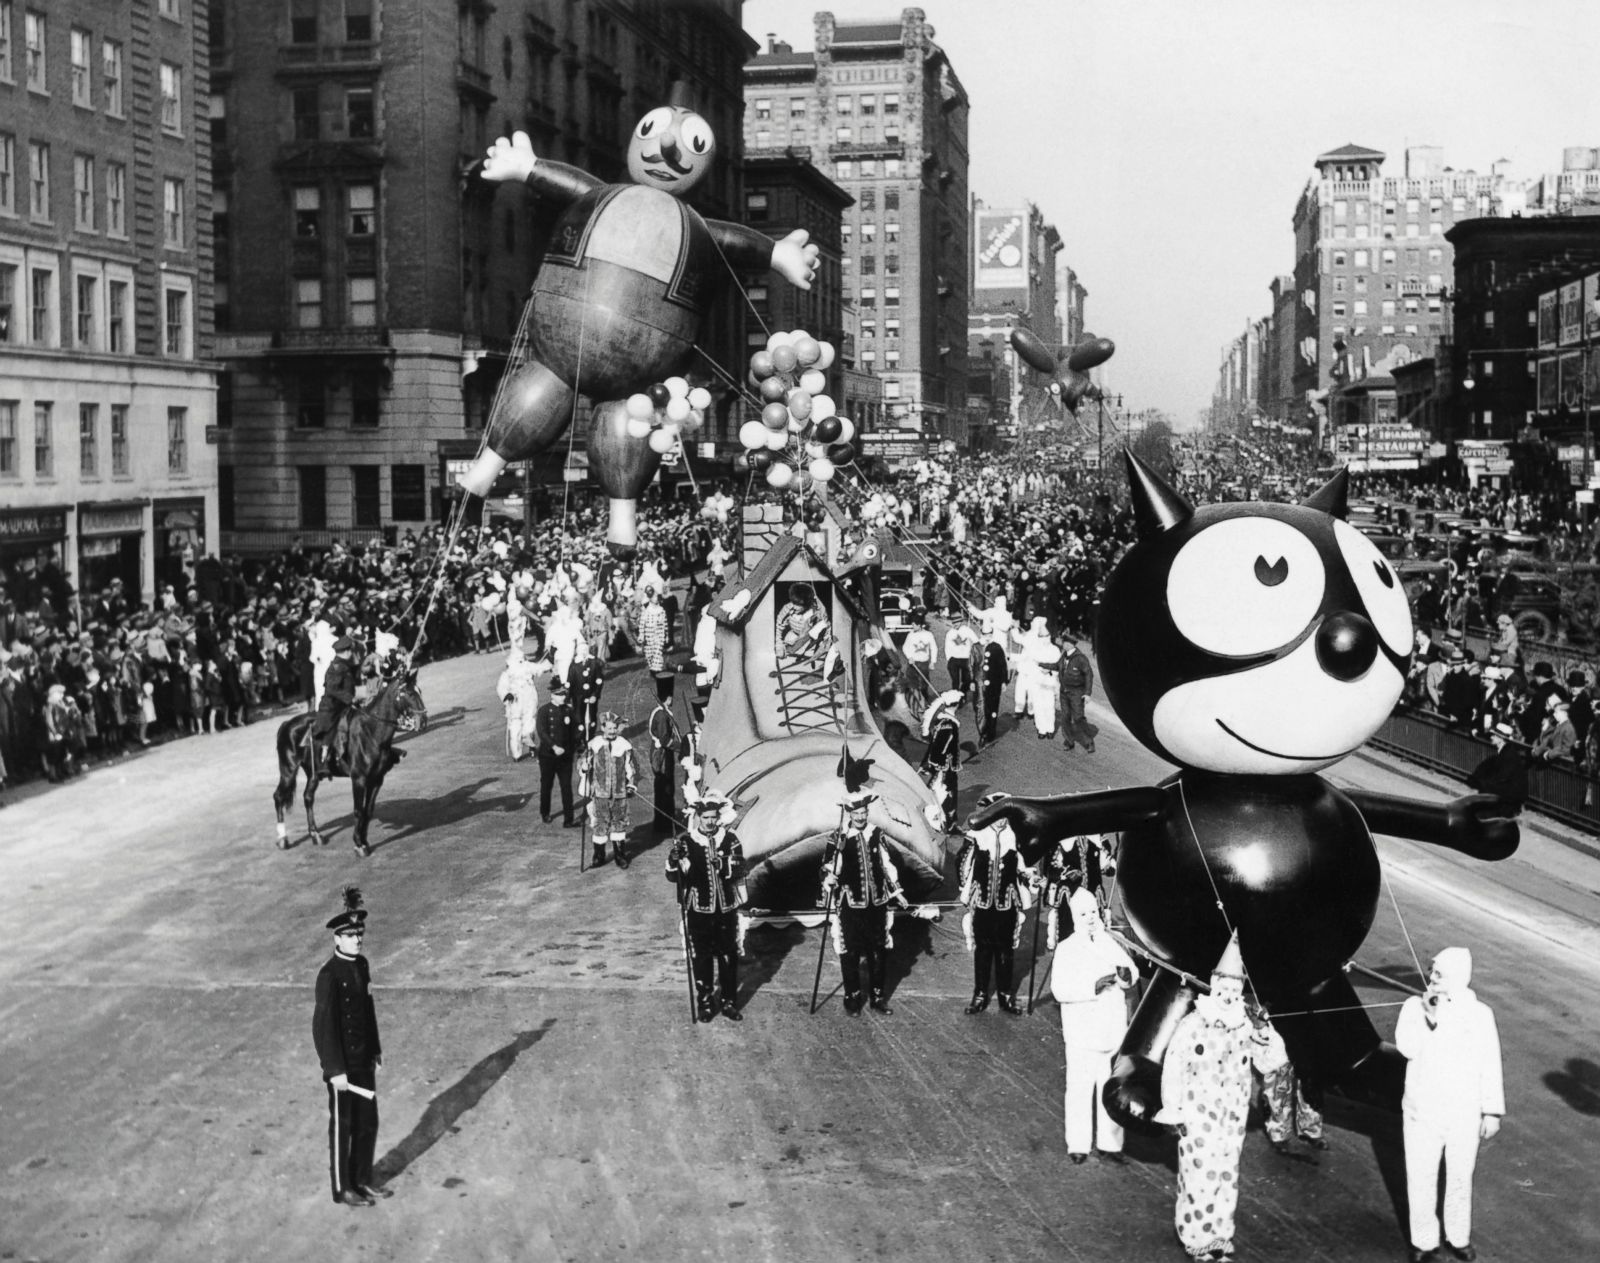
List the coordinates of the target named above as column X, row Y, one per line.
column 585, row 678
column 707, row 862
column 344, row 1028
column 338, row 696
column 856, row 863
column 996, row 887
column 556, row 730
column 664, row 747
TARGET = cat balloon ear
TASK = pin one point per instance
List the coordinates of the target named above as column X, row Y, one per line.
column 1157, row 508
column 1333, row 497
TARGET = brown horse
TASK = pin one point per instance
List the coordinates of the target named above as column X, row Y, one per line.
column 366, row 753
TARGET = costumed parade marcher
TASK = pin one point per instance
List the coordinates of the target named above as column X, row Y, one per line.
column 1090, row 977
column 1206, row 1082
column 338, row 696
column 958, row 648
column 1073, row 864
column 1289, row 1111
column 1038, row 660
column 344, row 1028
column 857, row 865
column 653, row 630
column 995, row 886
column 664, row 748
column 707, row 863
column 556, row 729
column 609, row 777
column 585, row 680
column 519, row 691
column 991, row 678
column 941, row 765
column 1454, row 1099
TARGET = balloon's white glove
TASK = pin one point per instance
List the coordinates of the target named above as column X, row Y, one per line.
column 510, row 159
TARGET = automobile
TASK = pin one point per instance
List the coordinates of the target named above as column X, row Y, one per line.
column 897, row 604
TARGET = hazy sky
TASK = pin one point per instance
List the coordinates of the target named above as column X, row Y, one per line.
column 1168, row 140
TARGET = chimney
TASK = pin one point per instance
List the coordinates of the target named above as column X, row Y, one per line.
column 776, row 45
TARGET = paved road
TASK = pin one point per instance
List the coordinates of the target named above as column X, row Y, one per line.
column 546, row 1098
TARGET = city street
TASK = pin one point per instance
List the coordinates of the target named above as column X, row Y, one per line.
column 544, row 1095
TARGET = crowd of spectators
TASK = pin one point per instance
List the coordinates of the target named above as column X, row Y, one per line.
column 89, row 675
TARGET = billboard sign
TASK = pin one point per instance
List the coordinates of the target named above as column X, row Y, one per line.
column 1002, row 249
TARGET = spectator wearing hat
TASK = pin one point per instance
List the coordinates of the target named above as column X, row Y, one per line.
column 1541, row 688
column 941, row 765
column 996, row 886
column 856, row 864
column 1460, row 690
column 608, row 778
column 706, row 861
column 1559, row 741
column 664, row 746
column 1580, row 708
column 1090, row 975
column 556, row 733
column 344, row 1028
column 338, row 696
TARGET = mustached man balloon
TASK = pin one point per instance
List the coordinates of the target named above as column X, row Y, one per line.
column 1254, row 645
column 619, row 297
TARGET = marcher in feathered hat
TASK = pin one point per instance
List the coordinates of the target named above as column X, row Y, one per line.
column 859, row 798
column 354, row 915
column 946, row 701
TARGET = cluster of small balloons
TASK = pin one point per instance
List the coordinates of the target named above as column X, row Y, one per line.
column 717, row 508
column 799, row 423
column 666, row 411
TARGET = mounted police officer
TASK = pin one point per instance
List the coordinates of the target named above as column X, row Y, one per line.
column 856, row 862
column 338, row 696
column 707, row 862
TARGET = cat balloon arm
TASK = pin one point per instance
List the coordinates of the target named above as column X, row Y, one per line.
column 1479, row 825
column 1038, row 822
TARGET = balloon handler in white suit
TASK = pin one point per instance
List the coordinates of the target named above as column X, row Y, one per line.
column 1090, row 977
column 517, row 687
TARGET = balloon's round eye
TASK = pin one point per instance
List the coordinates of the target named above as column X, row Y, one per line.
column 1379, row 586
column 696, row 133
column 657, row 120
column 1245, row 586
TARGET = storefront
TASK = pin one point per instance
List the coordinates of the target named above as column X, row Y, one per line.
column 179, row 532
column 33, row 551
column 111, row 546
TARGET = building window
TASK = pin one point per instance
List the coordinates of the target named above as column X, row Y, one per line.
column 1339, row 259
column 116, row 200
column 869, row 103
column 8, row 438
column 175, row 304
column 891, row 359
column 891, row 295
column 86, row 296
column 1360, row 306
column 869, row 264
column 44, row 448
column 891, row 103
column 303, row 21
column 1388, row 258
column 42, row 307
column 89, row 440
column 307, row 118
column 313, row 497
column 891, row 390
column 797, row 107
column 83, row 192
column 359, row 120
column 38, row 180
column 358, row 22
column 7, row 71
column 227, row 518
column 869, row 357
column 8, row 174
column 869, row 296
column 841, row 135
column 408, row 493
column 311, row 408
column 1362, row 259
column 869, row 168
column 111, row 77
column 755, row 205
column 1361, row 285
column 33, row 46
column 365, row 396
column 168, row 9
column 171, row 99
column 891, row 232
column 891, row 328
column 1388, row 307
column 119, row 440
column 82, row 93
column 363, row 306
column 763, row 107
column 844, row 170
column 8, row 303
column 891, row 168
column 172, row 213
column 362, row 202
column 307, row 212
column 1338, row 285
column 117, row 316
column 367, row 509
column 308, row 302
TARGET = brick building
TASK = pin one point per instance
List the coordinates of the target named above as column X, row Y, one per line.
column 106, row 392
column 369, row 282
column 881, row 110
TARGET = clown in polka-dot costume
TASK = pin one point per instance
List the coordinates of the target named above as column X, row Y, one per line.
column 1205, row 1090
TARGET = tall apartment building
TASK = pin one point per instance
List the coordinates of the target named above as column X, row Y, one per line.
column 1071, row 300
column 106, row 394
column 1372, row 262
column 879, row 107
column 1014, row 270
column 369, row 282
